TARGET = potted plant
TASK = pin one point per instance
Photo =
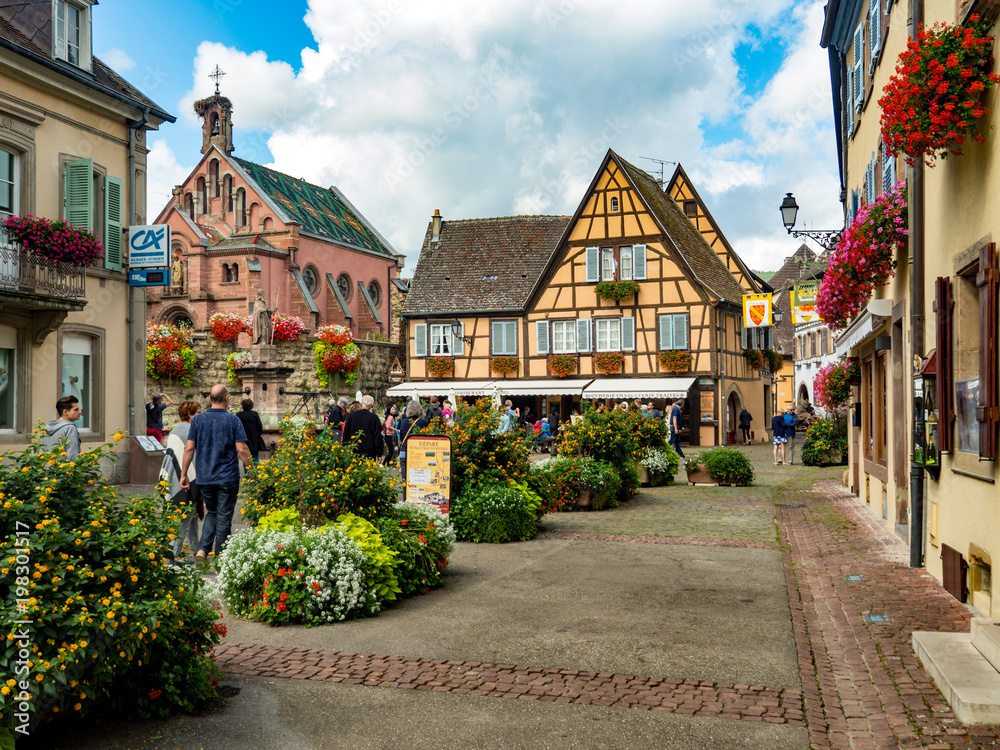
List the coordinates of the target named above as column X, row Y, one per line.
column 675, row 360
column 505, row 365
column 755, row 358
column 226, row 327
column 617, row 290
column 720, row 465
column 696, row 471
column 288, row 327
column 562, row 365
column 55, row 240
column 609, row 362
column 440, row 367
column 832, row 383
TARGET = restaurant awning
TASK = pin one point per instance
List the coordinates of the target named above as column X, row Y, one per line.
column 639, row 388
column 541, row 387
column 443, row 387
column 865, row 325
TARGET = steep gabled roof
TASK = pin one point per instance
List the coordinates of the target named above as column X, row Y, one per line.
column 795, row 267
column 704, row 263
column 321, row 211
column 482, row 264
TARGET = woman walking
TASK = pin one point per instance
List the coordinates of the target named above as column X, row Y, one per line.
column 778, row 431
column 390, row 433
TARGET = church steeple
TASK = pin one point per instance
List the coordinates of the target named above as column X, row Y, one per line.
column 216, row 113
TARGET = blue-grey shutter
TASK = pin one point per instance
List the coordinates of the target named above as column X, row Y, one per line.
column 583, row 337
column 859, row 45
column 744, row 338
column 874, row 30
column 496, row 338
column 542, row 336
column 510, row 344
column 639, row 262
column 666, row 332
column 680, row 332
column 420, row 340
column 113, row 223
column 628, row 334
column 79, row 186
column 457, row 345
column 593, row 265
column 849, row 102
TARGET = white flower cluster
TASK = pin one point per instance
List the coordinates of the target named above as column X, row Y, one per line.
column 445, row 531
column 656, row 461
column 297, row 424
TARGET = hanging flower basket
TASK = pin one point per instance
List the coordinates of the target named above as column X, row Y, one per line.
column 609, row 362
column 226, row 327
column 774, row 360
column 56, row 240
column 832, row 383
column 334, row 335
column 337, row 359
column 562, row 365
column 440, row 367
column 675, row 360
column 288, row 327
column 505, row 365
column 755, row 358
column 617, row 290
column 864, row 258
column 935, row 99
column 169, row 353
column 235, row 361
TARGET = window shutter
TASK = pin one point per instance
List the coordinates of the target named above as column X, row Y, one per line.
column 986, row 414
column 888, row 168
column 542, row 334
column 80, row 193
column 639, row 262
column 583, row 337
column 859, row 45
column 497, row 343
column 946, row 411
column 420, row 340
column 457, row 345
column 666, row 332
column 113, row 223
column 510, row 344
column 744, row 339
column 593, row 265
column 628, row 334
column 874, row 30
column 849, row 102
column 680, row 332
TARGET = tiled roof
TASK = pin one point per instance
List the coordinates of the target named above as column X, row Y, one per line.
column 483, row 264
column 702, row 259
column 797, row 266
column 319, row 210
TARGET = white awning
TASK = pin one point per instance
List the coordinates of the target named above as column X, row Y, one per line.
column 541, row 387
column 639, row 388
column 874, row 317
column 443, row 387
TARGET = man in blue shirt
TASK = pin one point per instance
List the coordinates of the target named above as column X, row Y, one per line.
column 676, row 422
column 791, row 422
column 221, row 442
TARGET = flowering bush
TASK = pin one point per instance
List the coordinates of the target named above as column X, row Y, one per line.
column 440, row 367
column 560, row 480
column 617, row 290
column 675, row 360
column 105, row 617
column 236, row 360
column 832, row 383
column 933, row 102
column 826, row 442
column 505, row 365
column 864, row 258
column 562, row 365
column 334, row 335
column 662, row 464
column 755, row 358
column 608, row 362
column 422, row 538
column 56, row 240
column 495, row 513
column 169, row 353
column 226, row 327
column 288, row 327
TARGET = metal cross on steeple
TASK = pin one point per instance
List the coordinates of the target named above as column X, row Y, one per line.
column 217, row 75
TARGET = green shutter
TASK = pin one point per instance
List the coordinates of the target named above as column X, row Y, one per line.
column 420, row 340
column 593, row 265
column 80, row 193
column 113, row 223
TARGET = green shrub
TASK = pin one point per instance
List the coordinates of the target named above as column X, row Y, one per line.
column 380, row 566
column 826, row 439
column 728, row 465
column 493, row 513
column 662, row 464
column 111, row 621
column 422, row 538
column 619, row 438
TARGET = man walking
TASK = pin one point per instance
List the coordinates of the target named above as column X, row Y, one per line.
column 676, row 422
column 221, row 442
column 778, row 436
column 745, row 419
column 366, row 428
column 791, row 422
column 63, row 428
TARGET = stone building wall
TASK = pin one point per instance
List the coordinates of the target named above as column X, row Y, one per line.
column 373, row 374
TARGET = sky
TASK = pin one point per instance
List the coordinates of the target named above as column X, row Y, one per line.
column 497, row 109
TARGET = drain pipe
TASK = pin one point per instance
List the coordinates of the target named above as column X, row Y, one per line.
column 133, row 327
column 917, row 325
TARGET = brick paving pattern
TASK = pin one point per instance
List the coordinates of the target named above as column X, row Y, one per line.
column 582, row 536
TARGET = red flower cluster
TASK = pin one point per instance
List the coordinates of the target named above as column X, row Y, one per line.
column 505, row 365
column 440, row 367
column 832, row 384
column 675, row 360
column 341, row 358
column 932, row 103
column 562, row 365
column 227, row 326
column 864, row 258
column 608, row 362
column 54, row 239
column 169, row 353
column 288, row 327
column 334, row 335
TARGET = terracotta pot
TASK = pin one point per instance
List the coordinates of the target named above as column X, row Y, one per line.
column 583, row 500
column 700, row 477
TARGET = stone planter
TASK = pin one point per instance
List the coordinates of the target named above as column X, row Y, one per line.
column 700, row 477
column 583, row 501
column 643, row 473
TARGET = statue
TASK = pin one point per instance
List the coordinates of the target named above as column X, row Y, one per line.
column 177, row 273
column 263, row 326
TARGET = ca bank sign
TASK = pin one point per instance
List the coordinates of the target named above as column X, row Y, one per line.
column 149, row 246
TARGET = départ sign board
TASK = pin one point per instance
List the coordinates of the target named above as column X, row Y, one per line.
column 428, row 470
column 149, row 246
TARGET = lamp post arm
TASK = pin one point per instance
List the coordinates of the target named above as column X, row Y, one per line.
column 825, row 238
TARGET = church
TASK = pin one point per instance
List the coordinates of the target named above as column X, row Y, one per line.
column 238, row 227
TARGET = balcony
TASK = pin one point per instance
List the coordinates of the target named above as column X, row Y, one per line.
column 26, row 275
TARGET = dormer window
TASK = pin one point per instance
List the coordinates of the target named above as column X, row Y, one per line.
column 72, row 32
column 614, row 205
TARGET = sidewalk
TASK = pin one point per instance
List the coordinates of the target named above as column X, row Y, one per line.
column 721, row 616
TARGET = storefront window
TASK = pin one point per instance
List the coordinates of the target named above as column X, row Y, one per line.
column 77, row 358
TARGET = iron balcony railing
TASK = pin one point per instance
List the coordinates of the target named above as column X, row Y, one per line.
column 22, row 271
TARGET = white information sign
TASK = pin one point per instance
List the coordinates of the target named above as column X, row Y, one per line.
column 149, row 246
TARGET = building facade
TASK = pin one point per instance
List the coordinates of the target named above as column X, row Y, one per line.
column 72, row 147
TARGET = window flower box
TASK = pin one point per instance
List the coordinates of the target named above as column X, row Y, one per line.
column 675, row 360
column 563, row 365
column 505, row 365
column 440, row 367
column 55, row 240
column 617, row 290
column 609, row 362
column 226, row 327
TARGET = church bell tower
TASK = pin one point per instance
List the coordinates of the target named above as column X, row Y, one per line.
column 216, row 113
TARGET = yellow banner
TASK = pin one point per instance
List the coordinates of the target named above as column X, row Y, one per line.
column 757, row 311
column 803, row 302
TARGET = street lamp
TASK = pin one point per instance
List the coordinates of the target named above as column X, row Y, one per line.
column 456, row 332
column 777, row 315
column 826, row 238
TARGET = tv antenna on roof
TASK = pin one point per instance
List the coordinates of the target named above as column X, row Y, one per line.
column 661, row 163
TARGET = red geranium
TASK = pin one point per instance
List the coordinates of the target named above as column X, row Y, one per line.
column 334, row 335
column 288, row 327
column 227, row 326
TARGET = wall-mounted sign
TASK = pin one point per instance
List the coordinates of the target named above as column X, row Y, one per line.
column 428, row 470
column 148, row 277
column 396, row 374
column 757, row 311
column 803, row 302
column 149, row 246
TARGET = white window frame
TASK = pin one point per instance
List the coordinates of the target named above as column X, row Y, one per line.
column 9, row 341
column 607, row 264
column 614, row 204
column 60, row 18
column 562, row 336
column 609, row 335
column 440, row 342
column 626, row 267
column 504, row 327
column 14, row 182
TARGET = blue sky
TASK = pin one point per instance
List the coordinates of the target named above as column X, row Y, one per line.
column 489, row 109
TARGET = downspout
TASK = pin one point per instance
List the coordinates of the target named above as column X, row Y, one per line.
column 133, row 328
column 917, row 237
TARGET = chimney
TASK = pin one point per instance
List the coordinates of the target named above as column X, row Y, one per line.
column 436, row 225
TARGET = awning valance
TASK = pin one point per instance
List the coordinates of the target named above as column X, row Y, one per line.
column 443, row 388
column 865, row 325
column 639, row 388
column 542, row 387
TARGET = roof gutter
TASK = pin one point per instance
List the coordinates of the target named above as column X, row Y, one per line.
column 452, row 313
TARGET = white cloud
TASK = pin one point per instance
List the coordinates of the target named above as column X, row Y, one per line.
column 118, row 60
column 489, row 109
column 163, row 172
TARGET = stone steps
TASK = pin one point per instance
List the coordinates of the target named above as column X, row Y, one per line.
column 966, row 669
